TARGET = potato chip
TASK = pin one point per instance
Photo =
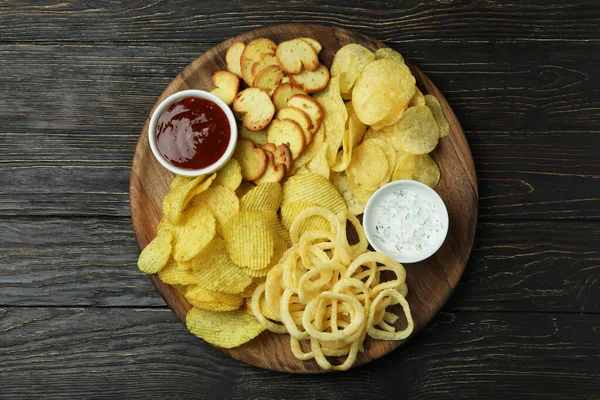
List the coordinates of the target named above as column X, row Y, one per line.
column 312, row 188
column 390, row 134
column 249, row 239
column 177, row 273
column 417, row 99
column 362, row 193
column 436, row 109
column 212, row 300
column 227, row 329
column 311, row 223
column 319, row 165
column 221, row 201
column 360, row 128
column 277, row 227
column 244, row 188
column 384, row 87
column 230, row 175
column 332, row 91
column 156, row 253
column 181, row 180
column 291, row 210
column 390, row 154
column 264, row 197
column 249, row 290
column 310, row 151
column 178, row 198
column 419, row 130
column 196, row 230
column 356, row 129
column 201, row 187
column 334, row 124
column 369, row 165
column 340, row 182
column 348, row 63
column 386, row 52
column 215, row 271
column 417, row 167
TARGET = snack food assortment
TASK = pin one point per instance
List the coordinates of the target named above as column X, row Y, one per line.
column 262, row 243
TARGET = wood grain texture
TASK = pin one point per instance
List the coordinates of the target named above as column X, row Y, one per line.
column 515, row 266
column 214, row 20
column 430, row 282
column 66, row 145
column 142, row 353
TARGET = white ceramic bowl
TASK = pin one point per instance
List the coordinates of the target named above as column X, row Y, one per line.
column 201, row 94
column 425, row 192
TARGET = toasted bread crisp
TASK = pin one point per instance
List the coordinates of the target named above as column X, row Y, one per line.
column 255, row 108
column 274, row 172
column 251, row 158
column 233, row 56
column 283, row 155
column 296, row 55
column 269, row 78
column 313, row 43
column 311, row 81
column 296, row 114
column 227, row 84
column 310, row 106
column 288, row 132
column 283, row 92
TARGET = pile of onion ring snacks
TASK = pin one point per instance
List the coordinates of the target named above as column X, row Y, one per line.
column 329, row 293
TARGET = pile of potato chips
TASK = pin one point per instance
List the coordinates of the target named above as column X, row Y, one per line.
column 262, row 243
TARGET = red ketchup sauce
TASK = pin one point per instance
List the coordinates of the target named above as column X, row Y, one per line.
column 193, row 133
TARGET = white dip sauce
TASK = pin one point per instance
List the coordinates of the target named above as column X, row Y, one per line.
column 406, row 223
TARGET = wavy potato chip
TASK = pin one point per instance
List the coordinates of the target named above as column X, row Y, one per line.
column 312, row 188
column 196, row 229
column 177, row 273
column 290, row 212
column 386, row 52
column 277, row 227
column 417, row 167
column 249, row 239
column 436, row 109
column 221, row 201
column 348, row 63
column 156, row 254
column 319, row 164
column 369, row 165
column 212, row 300
column 230, row 175
column 383, row 88
column 181, row 194
column 227, row 329
column 214, row 270
column 419, row 130
column 264, row 197
column 340, row 182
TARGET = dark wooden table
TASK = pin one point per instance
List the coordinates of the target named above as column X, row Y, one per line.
column 77, row 319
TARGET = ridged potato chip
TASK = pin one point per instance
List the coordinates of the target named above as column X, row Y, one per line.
column 227, row 330
column 340, row 182
column 221, row 201
column 417, row 167
column 290, row 212
column 419, row 130
column 212, row 300
column 244, row 188
column 348, row 63
column 196, row 230
column 384, row 87
column 277, row 227
column 179, row 196
column 312, row 188
column 249, row 290
column 264, row 197
column 230, row 175
column 249, row 239
column 214, row 270
column 156, row 254
column 436, row 109
column 369, row 165
column 177, row 273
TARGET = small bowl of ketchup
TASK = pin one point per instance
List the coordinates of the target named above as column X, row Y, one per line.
column 192, row 133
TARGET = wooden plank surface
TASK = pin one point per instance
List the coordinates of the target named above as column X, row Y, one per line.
column 147, row 353
column 216, row 20
column 515, row 266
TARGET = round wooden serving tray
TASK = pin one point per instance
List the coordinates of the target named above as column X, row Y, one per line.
column 430, row 282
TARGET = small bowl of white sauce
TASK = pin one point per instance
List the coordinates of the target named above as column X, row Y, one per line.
column 406, row 220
